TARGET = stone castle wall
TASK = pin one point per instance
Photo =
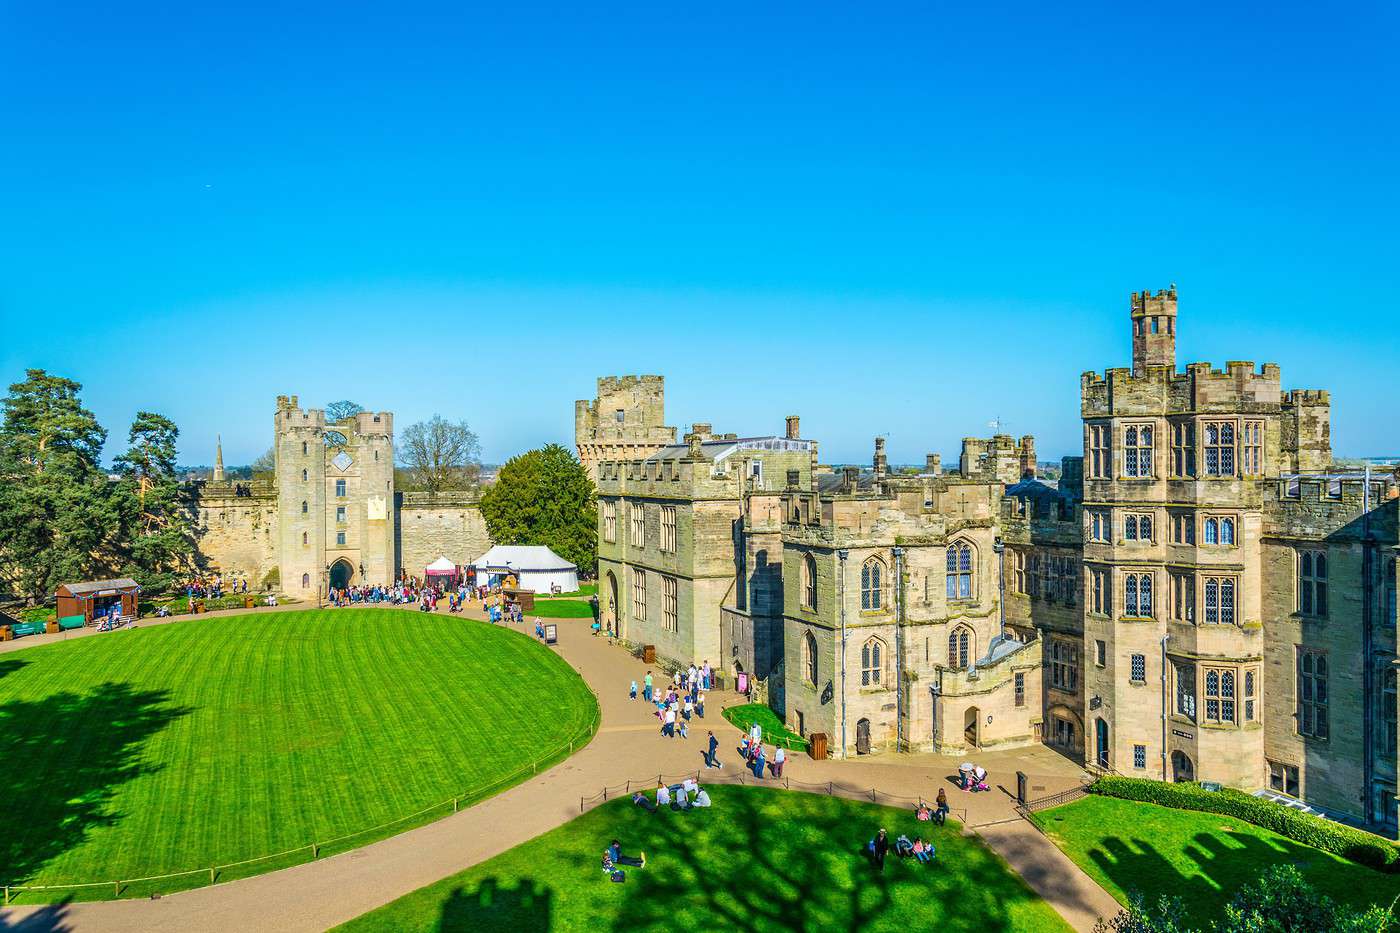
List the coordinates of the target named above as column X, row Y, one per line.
column 447, row 525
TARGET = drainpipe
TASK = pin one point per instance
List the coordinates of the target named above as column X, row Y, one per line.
column 1367, row 688
column 841, row 556
column 1165, row 704
column 899, row 711
column 999, row 546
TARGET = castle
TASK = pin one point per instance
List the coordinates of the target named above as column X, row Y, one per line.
column 1201, row 596
column 330, row 516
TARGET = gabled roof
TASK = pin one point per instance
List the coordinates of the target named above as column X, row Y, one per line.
column 92, row 586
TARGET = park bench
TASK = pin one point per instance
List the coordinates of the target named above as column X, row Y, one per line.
column 71, row 622
column 27, row 628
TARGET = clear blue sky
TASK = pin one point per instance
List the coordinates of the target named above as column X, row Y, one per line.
column 888, row 219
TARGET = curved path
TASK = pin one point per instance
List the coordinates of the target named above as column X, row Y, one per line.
column 321, row 894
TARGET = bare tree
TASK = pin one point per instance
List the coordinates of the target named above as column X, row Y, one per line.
column 339, row 411
column 265, row 465
column 441, row 454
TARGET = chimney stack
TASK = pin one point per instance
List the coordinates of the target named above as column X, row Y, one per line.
column 880, row 464
column 933, row 463
column 850, row 478
column 1027, row 457
column 792, row 422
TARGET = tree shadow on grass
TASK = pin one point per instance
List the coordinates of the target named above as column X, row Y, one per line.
column 490, row 907
column 793, row 864
column 65, row 756
column 9, row 666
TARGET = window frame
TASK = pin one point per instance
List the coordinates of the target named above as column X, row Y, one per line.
column 809, row 583
column 960, row 567
column 1064, row 665
column 810, row 669
column 872, row 584
column 1312, row 716
column 1223, row 451
column 670, row 604
column 1098, row 444
column 1183, row 449
column 1222, row 590
column 1138, row 453
column 1311, row 568
column 872, row 662
column 962, row 647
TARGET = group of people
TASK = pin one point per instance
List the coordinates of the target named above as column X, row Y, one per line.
column 916, row 848
column 938, row 813
column 755, row 758
column 675, row 704
column 682, row 796
column 212, row 587
column 972, row 778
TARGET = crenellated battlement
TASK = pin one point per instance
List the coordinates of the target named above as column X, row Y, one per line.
column 1155, row 390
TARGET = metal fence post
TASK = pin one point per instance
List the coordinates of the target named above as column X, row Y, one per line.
column 828, row 788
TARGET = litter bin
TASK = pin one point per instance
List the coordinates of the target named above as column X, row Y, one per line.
column 816, row 746
column 648, row 654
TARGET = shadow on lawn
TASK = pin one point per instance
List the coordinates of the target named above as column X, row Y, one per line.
column 9, row 666
column 490, row 907
column 1136, row 866
column 65, row 756
column 789, row 870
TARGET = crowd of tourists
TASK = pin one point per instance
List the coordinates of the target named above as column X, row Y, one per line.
column 212, row 587
column 678, row 702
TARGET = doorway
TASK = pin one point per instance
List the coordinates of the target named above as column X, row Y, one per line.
column 863, row 737
column 341, row 573
column 1101, row 742
column 610, row 620
column 970, row 727
column 1182, row 769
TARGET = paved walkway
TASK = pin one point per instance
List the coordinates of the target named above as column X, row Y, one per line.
column 321, row 894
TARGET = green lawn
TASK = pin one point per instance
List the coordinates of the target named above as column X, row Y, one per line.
column 1201, row 857
column 560, row 609
column 774, row 732
column 585, row 590
column 759, row 859
column 209, row 741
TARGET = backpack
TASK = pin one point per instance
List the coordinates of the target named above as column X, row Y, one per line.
column 618, row 876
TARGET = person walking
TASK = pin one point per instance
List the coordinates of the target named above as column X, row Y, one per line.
column 669, row 730
column 940, row 812
column 710, row 761
column 756, row 733
column 646, row 692
column 779, row 757
column 700, row 706
column 758, row 764
column 632, row 694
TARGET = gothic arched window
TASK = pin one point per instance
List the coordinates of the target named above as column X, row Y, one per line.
column 809, row 658
column 960, row 566
column 871, row 579
column 871, row 659
column 960, row 648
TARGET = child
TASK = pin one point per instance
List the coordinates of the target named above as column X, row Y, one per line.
column 922, row 850
column 632, row 694
column 685, row 732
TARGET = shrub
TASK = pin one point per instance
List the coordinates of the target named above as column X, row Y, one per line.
column 1357, row 845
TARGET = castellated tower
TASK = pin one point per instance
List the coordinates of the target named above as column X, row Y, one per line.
column 626, row 421
column 335, row 499
column 1154, row 329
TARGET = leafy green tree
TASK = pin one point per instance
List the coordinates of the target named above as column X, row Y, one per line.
column 57, row 520
column 157, row 540
column 545, row 497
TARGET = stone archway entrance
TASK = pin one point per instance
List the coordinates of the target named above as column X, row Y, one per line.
column 863, row 737
column 1182, row 769
column 610, row 619
column 970, row 726
column 342, row 572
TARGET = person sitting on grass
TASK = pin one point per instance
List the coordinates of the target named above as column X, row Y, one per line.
column 922, row 850
column 642, row 800
column 702, row 799
column 615, row 850
column 922, row 813
column 903, row 847
column 663, row 795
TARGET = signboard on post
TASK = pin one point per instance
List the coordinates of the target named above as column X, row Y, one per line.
column 551, row 634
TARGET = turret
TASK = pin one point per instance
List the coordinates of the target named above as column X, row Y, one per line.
column 1154, row 329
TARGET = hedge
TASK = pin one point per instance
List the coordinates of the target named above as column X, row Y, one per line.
column 1350, row 843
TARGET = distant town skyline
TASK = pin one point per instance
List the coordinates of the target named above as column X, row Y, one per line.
column 863, row 220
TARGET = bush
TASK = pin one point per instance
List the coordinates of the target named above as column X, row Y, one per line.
column 1357, row 845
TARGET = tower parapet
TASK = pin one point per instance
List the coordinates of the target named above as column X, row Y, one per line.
column 625, row 421
column 1154, row 329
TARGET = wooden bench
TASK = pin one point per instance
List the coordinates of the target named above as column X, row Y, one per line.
column 27, row 628
column 71, row 622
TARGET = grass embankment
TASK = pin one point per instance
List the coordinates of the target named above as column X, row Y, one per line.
column 759, row 859
column 175, row 747
column 774, row 732
column 1203, row 858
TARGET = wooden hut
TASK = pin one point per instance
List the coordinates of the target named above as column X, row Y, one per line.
column 95, row 598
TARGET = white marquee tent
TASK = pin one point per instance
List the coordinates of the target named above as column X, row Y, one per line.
column 534, row 565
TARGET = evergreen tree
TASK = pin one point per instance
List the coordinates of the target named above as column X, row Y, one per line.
column 545, row 497
column 57, row 521
column 157, row 541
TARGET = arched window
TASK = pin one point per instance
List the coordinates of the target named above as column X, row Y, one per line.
column 1227, row 531
column 1137, row 595
column 1130, row 529
column 871, row 577
column 1212, row 531
column 304, row 538
column 303, row 476
column 809, row 583
column 303, row 447
column 303, row 506
column 960, row 648
column 1145, row 528
column 305, row 581
column 809, row 658
column 960, row 569
column 871, row 657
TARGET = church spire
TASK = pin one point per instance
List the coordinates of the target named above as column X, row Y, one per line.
column 218, row 458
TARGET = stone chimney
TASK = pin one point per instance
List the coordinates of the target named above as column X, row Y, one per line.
column 1027, row 457
column 880, row 463
column 705, row 430
column 850, row 478
column 933, row 463
column 792, row 427
column 692, row 441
